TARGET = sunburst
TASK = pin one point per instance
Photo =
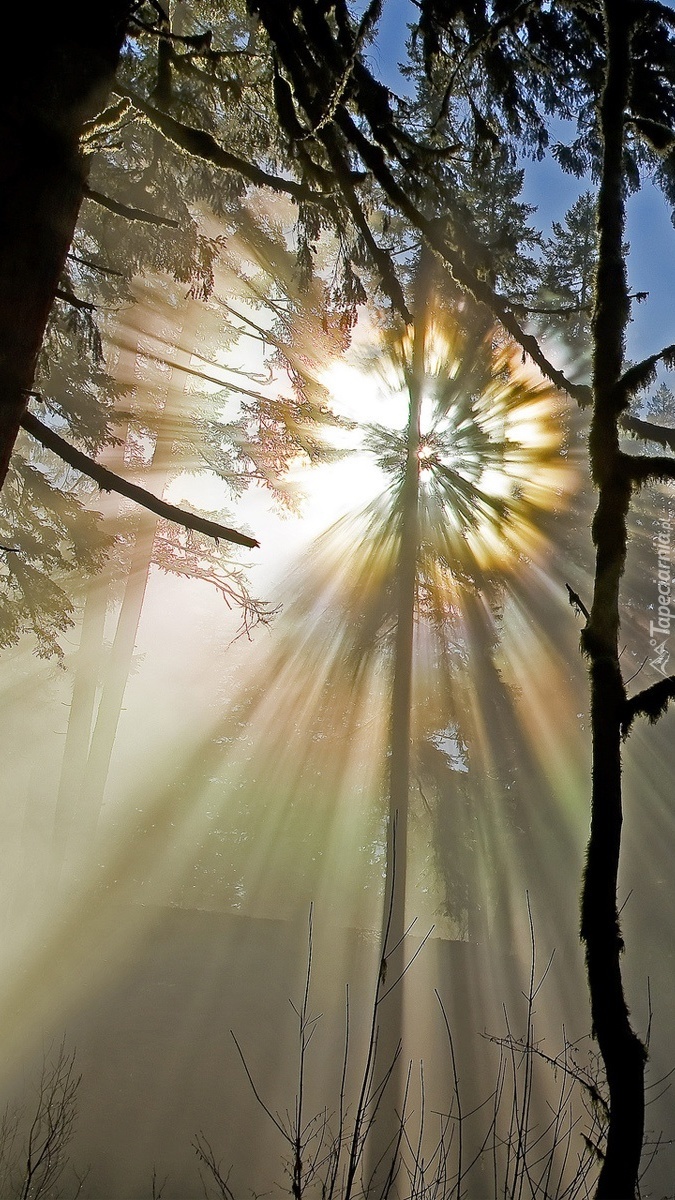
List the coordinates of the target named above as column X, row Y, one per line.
column 490, row 442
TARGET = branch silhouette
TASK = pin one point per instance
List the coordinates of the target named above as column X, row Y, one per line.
column 108, row 481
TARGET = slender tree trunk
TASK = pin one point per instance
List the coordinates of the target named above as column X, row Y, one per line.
column 109, row 711
column 622, row 1051
column 80, row 717
column 88, row 671
column 68, row 55
column 104, row 733
column 505, row 765
column 394, row 915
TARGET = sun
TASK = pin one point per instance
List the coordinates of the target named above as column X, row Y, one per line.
column 490, row 440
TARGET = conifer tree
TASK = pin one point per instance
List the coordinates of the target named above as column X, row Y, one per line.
column 608, row 67
column 568, row 267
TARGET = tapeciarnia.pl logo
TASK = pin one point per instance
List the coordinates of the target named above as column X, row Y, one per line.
column 659, row 630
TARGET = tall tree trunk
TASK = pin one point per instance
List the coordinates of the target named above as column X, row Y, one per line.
column 109, row 710
column 88, row 671
column 622, row 1051
column 68, row 55
column 103, row 735
column 80, row 716
column 394, row 915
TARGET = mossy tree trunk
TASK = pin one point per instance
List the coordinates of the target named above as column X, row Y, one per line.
column 622, row 1051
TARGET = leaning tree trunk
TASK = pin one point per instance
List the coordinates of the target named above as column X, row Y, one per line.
column 622, row 1051
column 68, row 56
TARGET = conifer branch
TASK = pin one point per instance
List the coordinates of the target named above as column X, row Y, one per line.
column 373, row 157
column 648, row 468
column 651, row 703
column 368, row 21
column 224, row 384
column 484, row 294
column 510, row 23
column 644, row 373
column 108, row 481
column 127, row 210
column 389, row 280
column 200, row 144
column 322, row 127
column 564, row 310
column 433, row 233
column 659, row 136
column 663, row 435
column 185, row 63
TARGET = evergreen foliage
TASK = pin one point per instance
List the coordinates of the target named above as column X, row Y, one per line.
column 150, row 210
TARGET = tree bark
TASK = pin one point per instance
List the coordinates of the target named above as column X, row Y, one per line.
column 68, row 58
column 622, row 1051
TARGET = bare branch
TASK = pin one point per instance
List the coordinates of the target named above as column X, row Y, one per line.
column 207, row 1158
column 69, row 297
column 110, row 482
column 127, row 211
column 275, row 1121
column 577, row 603
column 51, row 1128
column 94, row 266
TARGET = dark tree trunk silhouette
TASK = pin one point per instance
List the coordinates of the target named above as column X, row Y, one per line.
column 68, row 58
column 622, row 1051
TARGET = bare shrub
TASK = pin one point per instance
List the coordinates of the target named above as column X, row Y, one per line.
column 512, row 1145
column 34, row 1141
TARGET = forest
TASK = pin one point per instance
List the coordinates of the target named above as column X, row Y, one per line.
column 337, row 443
